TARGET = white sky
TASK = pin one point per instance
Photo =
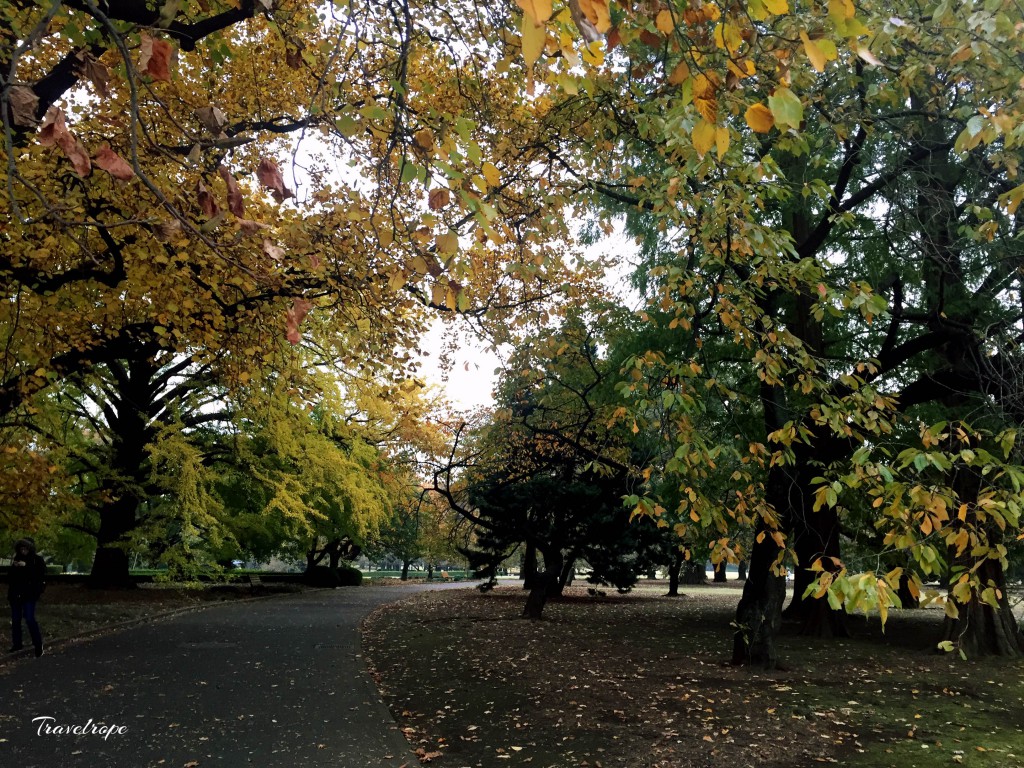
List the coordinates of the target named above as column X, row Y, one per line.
column 470, row 381
column 471, row 378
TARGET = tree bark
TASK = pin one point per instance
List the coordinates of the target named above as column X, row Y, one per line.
column 759, row 612
column 673, row 573
column 545, row 585
column 529, row 569
column 720, row 575
column 567, row 574
column 982, row 629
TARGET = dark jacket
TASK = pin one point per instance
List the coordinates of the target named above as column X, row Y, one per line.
column 26, row 576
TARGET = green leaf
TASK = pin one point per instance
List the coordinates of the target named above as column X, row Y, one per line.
column 786, row 108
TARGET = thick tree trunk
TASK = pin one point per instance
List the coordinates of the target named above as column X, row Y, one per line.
column 110, row 567
column 741, row 571
column 545, row 585
column 693, row 572
column 529, row 571
column 759, row 612
column 566, row 576
column 405, row 570
column 982, row 629
column 815, row 535
column 720, row 575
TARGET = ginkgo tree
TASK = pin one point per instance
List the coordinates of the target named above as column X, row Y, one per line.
column 151, row 203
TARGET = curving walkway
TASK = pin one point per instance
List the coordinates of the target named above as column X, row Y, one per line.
column 271, row 683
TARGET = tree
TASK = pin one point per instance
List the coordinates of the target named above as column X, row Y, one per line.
column 779, row 170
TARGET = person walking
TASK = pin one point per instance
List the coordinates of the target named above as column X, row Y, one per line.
column 25, row 586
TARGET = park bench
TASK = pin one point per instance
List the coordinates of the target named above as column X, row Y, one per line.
column 255, row 582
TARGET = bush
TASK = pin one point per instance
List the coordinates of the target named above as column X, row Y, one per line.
column 349, row 577
column 322, row 576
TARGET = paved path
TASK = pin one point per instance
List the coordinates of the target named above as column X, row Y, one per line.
column 271, row 683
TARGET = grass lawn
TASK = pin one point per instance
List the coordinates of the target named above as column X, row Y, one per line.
column 641, row 680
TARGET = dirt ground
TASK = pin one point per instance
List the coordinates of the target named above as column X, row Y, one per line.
column 640, row 681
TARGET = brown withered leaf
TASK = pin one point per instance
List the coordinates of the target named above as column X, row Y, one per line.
column 207, row 203
column 155, row 58
column 109, row 161
column 54, row 131
column 294, row 317
column 235, row 202
column 250, row 227
column 439, row 198
column 423, row 141
column 95, row 72
column 166, row 230
column 293, row 58
column 212, row 119
column 24, row 104
column 270, row 177
column 275, row 252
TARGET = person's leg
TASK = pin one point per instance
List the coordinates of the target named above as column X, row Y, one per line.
column 29, row 609
column 15, row 626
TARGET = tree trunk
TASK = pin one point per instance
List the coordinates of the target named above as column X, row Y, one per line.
column 984, row 630
column 545, row 585
column 815, row 535
column 110, row 567
column 430, row 571
column 720, row 575
column 529, row 569
column 742, row 571
column 673, row 573
column 759, row 612
column 405, row 570
column 566, row 576
column 693, row 572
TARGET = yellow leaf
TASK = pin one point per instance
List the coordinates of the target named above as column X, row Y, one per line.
column 492, row 174
column 840, row 10
column 814, row 53
column 703, row 137
column 721, row 140
column 597, row 13
column 777, row 7
column 664, row 22
column 759, row 118
column 680, row 74
column 538, row 10
column 534, row 37
column 448, row 242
